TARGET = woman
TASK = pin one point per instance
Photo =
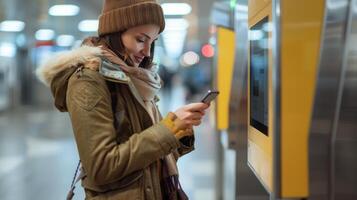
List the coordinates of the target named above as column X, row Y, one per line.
column 108, row 86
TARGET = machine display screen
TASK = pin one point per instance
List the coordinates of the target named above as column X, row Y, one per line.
column 258, row 38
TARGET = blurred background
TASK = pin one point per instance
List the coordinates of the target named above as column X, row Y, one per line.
column 283, row 126
column 38, row 155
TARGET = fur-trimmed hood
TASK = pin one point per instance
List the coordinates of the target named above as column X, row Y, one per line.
column 56, row 72
column 65, row 60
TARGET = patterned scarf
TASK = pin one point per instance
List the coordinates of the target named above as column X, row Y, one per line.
column 146, row 81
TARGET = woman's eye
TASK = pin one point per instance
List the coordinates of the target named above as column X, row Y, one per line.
column 140, row 40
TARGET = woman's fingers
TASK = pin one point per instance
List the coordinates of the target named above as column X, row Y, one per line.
column 195, row 116
column 193, row 122
column 192, row 113
column 197, row 107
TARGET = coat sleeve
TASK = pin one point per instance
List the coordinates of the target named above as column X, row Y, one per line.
column 103, row 159
column 187, row 144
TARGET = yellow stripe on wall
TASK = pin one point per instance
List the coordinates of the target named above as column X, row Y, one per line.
column 300, row 38
column 225, row 63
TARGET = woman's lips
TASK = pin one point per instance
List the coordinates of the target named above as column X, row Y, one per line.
column 138, row 59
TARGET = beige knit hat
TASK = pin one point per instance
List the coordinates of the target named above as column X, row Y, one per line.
column 118, row 15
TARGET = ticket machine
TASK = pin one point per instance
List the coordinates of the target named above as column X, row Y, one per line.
column 284, row 48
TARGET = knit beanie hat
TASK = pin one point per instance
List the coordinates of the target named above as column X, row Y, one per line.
column 119, row 15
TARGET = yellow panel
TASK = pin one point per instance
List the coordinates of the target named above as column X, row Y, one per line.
column 225, row 63
column 301, row 25
column 255, row 6
column 260, row 148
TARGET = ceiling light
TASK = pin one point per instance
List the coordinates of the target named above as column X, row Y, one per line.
column 65, row 40
column 176, row 8
column 64, row 10
column 7, row 49
column 45, row 34
column 12, row 26
column 174, row 42
column 176, row 24
column 88, row 25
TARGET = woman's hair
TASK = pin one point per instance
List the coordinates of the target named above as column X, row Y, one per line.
column 115, row 44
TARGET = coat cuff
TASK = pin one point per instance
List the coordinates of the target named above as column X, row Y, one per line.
column 187, row 141
column 166, row 138
column 187, row 145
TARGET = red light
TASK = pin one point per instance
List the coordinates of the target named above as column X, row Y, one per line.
column 44, row 43
column 207, row 51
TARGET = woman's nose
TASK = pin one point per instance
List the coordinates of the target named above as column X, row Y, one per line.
column 146, row 51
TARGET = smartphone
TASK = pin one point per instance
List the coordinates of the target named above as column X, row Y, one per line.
column 211, row 95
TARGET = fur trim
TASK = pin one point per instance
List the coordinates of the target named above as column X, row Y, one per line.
column 65, row 60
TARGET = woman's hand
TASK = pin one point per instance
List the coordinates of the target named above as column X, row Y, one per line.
column 192, row 113
column 183, row 119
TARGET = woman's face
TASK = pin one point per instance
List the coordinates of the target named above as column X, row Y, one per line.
column 137, row 41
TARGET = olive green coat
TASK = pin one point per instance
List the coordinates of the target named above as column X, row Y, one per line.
column 119, row 154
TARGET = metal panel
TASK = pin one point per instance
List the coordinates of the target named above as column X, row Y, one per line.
column 345, row 143
column 221, row 16
column 276, row 85
column 247, row 185
column 321, row 144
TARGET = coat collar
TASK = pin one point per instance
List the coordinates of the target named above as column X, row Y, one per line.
column 85, row 55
